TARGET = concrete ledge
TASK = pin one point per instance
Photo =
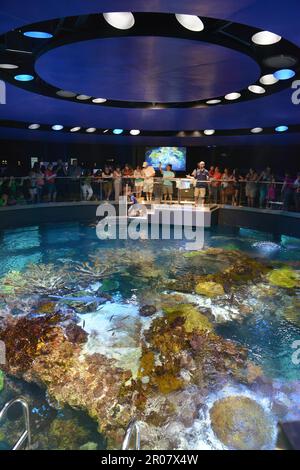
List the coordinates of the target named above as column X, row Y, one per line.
column 265, row 220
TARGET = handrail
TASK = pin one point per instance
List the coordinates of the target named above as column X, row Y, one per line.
column 26, row 435
column 133, row 426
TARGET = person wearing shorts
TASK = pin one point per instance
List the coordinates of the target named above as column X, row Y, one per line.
column 167, row 188
column 148, row 174
column 201, row 176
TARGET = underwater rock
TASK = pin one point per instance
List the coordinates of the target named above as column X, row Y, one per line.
column 76, row 334
column 89, row 446
column 147, row 310
column 66, row 434
column 193, row 320
column 109, row 285
column 284, row 277
column 1, row 380
column 241, row 423
column 209, row 289
column 292, row 312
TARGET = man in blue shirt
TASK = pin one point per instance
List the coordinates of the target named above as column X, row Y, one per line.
column 167, row 188
column 201, row 176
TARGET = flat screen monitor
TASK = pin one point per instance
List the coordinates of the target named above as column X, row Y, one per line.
column 175, row 156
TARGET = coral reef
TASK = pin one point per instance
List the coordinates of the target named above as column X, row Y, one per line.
column 285, row 277
column 209, row 289
column 241, row 423
column 66, row 434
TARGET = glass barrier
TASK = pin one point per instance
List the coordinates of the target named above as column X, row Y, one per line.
column 259, row 194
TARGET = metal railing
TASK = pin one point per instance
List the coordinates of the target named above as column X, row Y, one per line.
column 133, row 429
column 26, row 434
column 26, row 190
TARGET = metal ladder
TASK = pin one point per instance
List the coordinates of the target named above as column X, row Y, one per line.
column 26, row 435
column 133, row 427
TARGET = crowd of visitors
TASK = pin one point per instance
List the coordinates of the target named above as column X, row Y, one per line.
column 62, row 181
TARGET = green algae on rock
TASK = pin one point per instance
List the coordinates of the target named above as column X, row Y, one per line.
column 241, row 423
column 209, row 289
column 1, row 380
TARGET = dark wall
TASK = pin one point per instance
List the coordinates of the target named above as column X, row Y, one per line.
column 279, row 158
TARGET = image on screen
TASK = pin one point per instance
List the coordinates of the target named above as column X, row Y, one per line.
column 175, row 156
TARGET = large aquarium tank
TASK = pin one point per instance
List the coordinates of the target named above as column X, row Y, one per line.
column 202, row 347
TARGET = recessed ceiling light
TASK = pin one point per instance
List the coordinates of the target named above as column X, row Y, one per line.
column 191, row 22
column 83, row 97
column 284, row 74
column 24, row 78
column 213, row 101
column 34, row 126
column 232, row 96
column 120, row 20
column 105, row 131
column 268, row 79
column 75, row 129
column 281, row 61
column 281, row 129
column 8, row 66
column 265, row 38
column 209, row 132
column 66, row 94
column 256, row 130
column 99, row 100
column 38, row 34
column 57, row 127
column 91, row 129
column 135, row 132
column 118, row 131
column 258, row 90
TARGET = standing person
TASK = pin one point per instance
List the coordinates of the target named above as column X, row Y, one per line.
column 148, row 174
column 215, row 182
column 287, row 191
column 297, row 192
column 271, row 194
column 201, row 176
column 61, row 182
column 107, row 177
column 168, row 175
column 74, row 172
column 127, row 175
column 50, row 177
column 236, row 180
column 138, row 181
column 263, row 180
column 211, row 173
column 86, row 186
column 117, row 174
column 224, row 186
column 251, row 187
column 33, row 176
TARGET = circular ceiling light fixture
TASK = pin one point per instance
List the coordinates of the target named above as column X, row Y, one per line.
column 281, row 129
column 120, row 20
column 83, row 97
column 90, row 130
column 284, row 74
column 213, row 101
column 232, row 96
column 57, row 127
column 256, row 130
column 34, row 126
column 268, row 79
column 191, row 22
column 118, row 131
column 66, row 94
column 105, row 131
column 8, row 66
column 258, row 90
column 281, row 61
column 135, row 132
column 99, row 100
column 209, row 132
column 38, row 34
column 265, row 38
column 24, row 78
column 75, row 129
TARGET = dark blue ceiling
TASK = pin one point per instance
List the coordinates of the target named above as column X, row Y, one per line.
column 151, row 68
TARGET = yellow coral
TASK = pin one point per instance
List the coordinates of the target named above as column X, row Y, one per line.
column 194, row 320
column 209, row 289
column 284, row 277
column 168, row 383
